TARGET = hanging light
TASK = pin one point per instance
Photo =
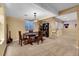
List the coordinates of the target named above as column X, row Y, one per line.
column 35, row 20
column 35, row 15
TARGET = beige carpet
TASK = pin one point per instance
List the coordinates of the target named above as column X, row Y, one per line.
column 61, row 46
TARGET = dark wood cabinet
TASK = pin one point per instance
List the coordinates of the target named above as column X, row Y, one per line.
column 45, row 29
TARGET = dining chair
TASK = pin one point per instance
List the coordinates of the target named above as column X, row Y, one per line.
column 25, row 39
column 39, row 37
column 30, row 40
column 20, row 38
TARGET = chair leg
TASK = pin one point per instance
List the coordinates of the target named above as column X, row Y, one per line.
column 21, row 42
column 38, row 41
column 41, row 40
column 31, row 43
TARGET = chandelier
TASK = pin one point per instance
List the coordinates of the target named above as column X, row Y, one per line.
column 35, row 19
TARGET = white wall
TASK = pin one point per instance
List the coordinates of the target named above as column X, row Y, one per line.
column 59, row 25
column 71, row 24
column 2, row 31
column 15, row 25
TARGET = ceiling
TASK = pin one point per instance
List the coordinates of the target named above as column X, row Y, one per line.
column 43, row 10
column 27, row 10
column 62, row 6
column 68, row 17
column 57, row 6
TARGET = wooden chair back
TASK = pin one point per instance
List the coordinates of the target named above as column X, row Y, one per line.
column 40, row 37
column 20, row 38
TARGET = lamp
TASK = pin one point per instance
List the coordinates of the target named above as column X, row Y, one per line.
column 35, row 20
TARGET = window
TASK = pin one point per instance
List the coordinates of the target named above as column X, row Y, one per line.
column 29, row 25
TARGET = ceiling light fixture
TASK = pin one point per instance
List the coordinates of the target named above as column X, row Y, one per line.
column 35, row 20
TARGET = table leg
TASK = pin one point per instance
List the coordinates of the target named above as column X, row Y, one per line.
column 30, row 41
